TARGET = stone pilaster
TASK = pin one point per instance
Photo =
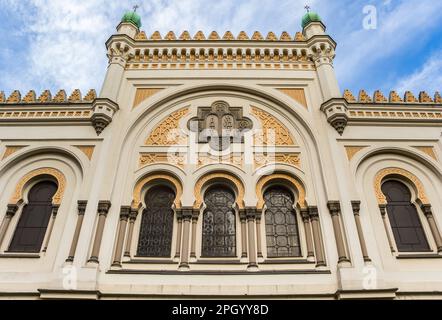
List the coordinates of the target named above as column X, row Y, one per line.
column 317, row 239
column 103, row 210
column 335, row 210
column 55, row 208
column 426, row 208
column 10, row 213
column 132, row 218
column 187, row 214
column 124, row 216
column 258, row 233
column 251, row 217
column 195, row 216
column 308, row 234
column 243, row 221
column 356, row 205
column 383, row 209
column 81, row 211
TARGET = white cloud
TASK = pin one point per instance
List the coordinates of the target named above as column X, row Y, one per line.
column 428, row 78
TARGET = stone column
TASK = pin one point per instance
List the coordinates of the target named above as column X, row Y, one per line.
column 132, row 218
column 335, row 210
column 124, row 216
column 81, row 210
column 10, row 213
column 308, row 234
column 383, row 209
column 195, row 216
column 243, row 220
column 258, row 233
column 179, row 234
column 55, row 208
column 319, row 250
column 426, row 208
column 251, row 216
column 103, row 210
column 356, row 205
column 187, row 214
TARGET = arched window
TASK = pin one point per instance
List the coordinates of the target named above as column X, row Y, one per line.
column 33, row 222
column 404, row 218
column 157, row 223
column 219, row 227
column 281, row 225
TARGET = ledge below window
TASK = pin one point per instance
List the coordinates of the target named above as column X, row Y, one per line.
column 287, row 261
column 419, row 256
column 217, row 272
column 20, row 256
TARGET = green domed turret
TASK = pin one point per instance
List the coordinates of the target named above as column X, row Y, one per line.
column 132, row 17
column 310, row 17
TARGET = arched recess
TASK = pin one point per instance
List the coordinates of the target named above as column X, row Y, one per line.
column 284, row 179
column 219, row 177
column 35, row 174
column 403, row 174
column 157, row 178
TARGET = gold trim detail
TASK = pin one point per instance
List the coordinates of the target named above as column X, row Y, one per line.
column 428, row 151
column 87, row 150
column 18, row 193
column 167, row 133
column 353, row 150
column 296, row 94
column 169, row 158
column 282, row 136
column 215, row 176
column 11, row 150
column 403, row 173
column 262, row 160
column 234, row 159
column 157, row 178
column 291, row 180
column 143, row 94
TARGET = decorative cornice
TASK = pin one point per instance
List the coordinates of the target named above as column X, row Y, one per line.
column 103, row 111
column 336, row 111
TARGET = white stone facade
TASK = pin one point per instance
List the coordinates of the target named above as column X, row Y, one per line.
column 335, row 150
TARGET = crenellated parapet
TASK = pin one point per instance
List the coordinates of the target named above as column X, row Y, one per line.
column 46, row 97
column 393, row 98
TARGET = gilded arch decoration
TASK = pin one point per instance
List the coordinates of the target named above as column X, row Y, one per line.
column 61, row 181
column 403, row 173
column 289, row 179
column 157, row 178
column 273, row 131
column 214, row 176
column 168, row 133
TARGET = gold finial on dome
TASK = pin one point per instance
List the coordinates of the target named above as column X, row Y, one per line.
column 15, row 97
column 409, row 97
column 348, row 95
column 379, row 97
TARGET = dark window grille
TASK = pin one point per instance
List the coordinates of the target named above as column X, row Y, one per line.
column 404, row 218
column 31, row 228
column 281, row 225
column 219, row 225
column 157, row 224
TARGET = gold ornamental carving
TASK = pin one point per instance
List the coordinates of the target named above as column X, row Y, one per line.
column 168, row 132
column 218, row 176
column 296, row 94
column 136, row 202
column 233, row 159
column 11, row 150
column 353, row 150
column 142, row 94
column 273, row 131
column 428, row 151
column 61, row 180
column 87, row 150
column 169, row 158
column 285, row 178
column 404, row 174
column 292, row 159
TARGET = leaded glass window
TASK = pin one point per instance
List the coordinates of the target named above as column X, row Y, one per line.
column 281, row 224
column 34, row 220
column 219, row 226
column 404, row 218
column 157, row 224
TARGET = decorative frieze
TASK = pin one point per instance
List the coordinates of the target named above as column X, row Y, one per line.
column 161, row 157
column 292, row 159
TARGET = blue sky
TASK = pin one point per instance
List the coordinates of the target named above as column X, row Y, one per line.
column 56, row 44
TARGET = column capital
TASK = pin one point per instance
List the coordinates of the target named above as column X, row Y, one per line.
column 187, row 213
column 11, row 210
column 334, row 207
column 103, row 207
column 133, row 214
column 313, row 213
column 82, row 204
column 305, row 215
column 356, row 206
column 125, row 212
column 383, row 209
column 55, row 208
column 251, row 213
column 427, row 209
